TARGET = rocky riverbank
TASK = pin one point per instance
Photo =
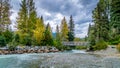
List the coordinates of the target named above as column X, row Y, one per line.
column 109, row 52
column 28, row 49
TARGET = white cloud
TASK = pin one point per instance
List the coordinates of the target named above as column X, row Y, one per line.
column 55, row 21
column 81, row 30
column 14, row 15
column 76, row 3
column 47, row 14
column 13, row 19
column 59, row 16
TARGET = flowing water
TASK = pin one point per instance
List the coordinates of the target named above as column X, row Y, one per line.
column 67, row 59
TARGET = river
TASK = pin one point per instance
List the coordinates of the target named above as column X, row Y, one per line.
column 67, row 59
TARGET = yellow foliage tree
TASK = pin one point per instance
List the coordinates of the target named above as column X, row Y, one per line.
column 39, row 31
column 64, row 30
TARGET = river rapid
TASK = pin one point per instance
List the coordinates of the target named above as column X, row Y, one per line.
column 67, row 59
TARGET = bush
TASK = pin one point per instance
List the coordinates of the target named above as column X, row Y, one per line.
column 118, row 47
column 11, row 48
column 100, row 45
column 17, row 38
column 25, row 39
column 2, row 41
column 115, row 40
column 12, row 45
column 8, row 36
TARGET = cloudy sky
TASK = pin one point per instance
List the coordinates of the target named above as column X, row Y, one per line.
column 53, row 12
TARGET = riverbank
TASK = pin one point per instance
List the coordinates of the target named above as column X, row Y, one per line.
column 109, row 52
column 28, row 49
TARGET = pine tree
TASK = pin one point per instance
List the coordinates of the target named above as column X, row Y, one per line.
column 57, row 33
column 64, row 30
column 26, row 20
column 58, row 39
column 100, row 30
column 32, row 15
column 100, row 18
column 22, row 19
column 71, row 29
column 91, row 36
column 4, row 15
column 115, row 17
column 48, row 40
column 27, row 16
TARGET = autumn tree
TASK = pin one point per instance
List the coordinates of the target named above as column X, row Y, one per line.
column 64, row 30
column 39, row 31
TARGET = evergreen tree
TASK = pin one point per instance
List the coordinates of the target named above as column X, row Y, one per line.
column 8, row 36
column 100, row 18
column 91, row 36
column 115, row 17
column 2, row 41
column 58, row 39
column 100, row 30
column 4, row 15
column 48, row 40
column 57, row 33
column 26, row 20
column 64, row 30
column 27, row 16
column 32, row 15
column 22, row 19
column 71, row 29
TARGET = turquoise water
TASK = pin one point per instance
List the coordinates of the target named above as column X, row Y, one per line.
column 67, row 59
column 20, row 61
column 26, row 60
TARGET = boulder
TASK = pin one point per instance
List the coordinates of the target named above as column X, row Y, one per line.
column 0, row 52
column 5, row 52
column 46, row 51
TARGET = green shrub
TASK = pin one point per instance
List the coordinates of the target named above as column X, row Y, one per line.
column 115, row 41
column 11, row 48
column 25, row 39
column 80, row 47
column 8, row 36
column 118, row 47
column 17, row 38
column 2, row 41
column 100, row 45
